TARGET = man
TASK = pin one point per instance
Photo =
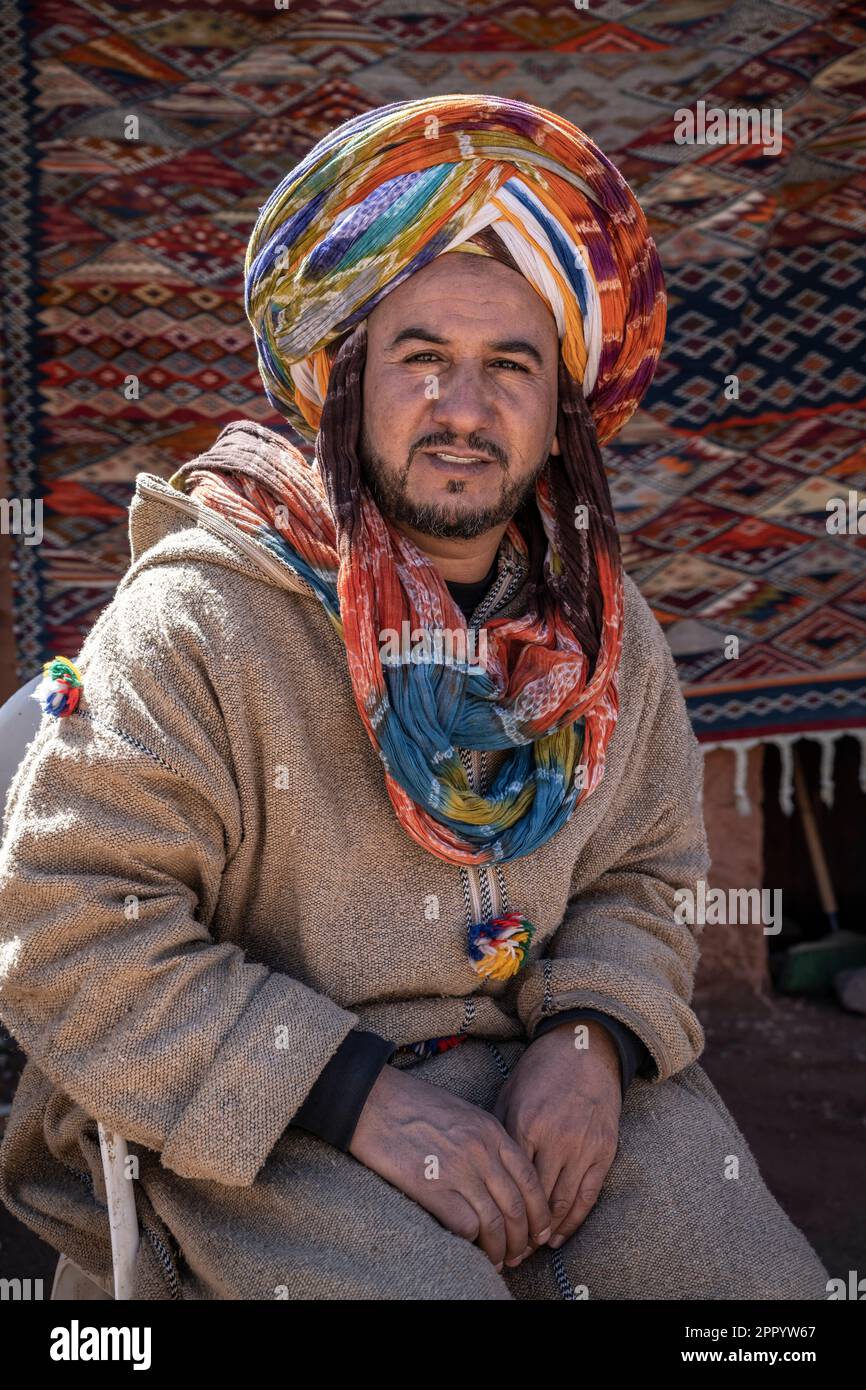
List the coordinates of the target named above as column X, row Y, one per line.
column 367, row 943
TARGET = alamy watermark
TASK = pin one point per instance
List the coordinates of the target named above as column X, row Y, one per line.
column 737, row 906
column 460, row 646
column 21, row 1290
column 77, row 1343
column 734, row 126
column 16, row 518
column 846, row 517
column 853, row 1290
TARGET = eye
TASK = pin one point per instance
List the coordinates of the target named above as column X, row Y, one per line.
column 503, row 360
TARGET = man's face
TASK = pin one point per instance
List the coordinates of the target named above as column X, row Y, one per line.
column 462, row 359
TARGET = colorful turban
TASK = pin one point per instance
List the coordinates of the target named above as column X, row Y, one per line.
column 383, row 194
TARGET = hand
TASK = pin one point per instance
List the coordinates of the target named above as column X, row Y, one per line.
column 486, row 1188
column 562, row 1105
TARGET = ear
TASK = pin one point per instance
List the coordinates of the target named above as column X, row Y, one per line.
column 554, row 448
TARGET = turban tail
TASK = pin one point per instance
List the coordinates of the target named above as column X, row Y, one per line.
column 391, row 189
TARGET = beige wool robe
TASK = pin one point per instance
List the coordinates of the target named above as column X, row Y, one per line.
column 204, row 888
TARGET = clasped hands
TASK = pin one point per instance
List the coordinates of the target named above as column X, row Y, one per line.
column 510, row 1180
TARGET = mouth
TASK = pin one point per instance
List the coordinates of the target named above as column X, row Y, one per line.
column 458, row 465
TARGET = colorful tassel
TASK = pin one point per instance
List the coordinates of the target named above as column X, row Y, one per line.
column 434, row 1045
column 498, row 948
column 60, row 688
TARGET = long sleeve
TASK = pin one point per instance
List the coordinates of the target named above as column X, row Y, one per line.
column 119, row 824
column 333, row 1107
column 620, row 948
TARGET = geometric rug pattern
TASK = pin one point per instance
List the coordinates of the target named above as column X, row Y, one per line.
column 140, row 142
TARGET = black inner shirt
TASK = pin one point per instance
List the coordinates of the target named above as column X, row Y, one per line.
column 468, row 596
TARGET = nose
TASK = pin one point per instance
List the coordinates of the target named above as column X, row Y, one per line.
column 464, row 405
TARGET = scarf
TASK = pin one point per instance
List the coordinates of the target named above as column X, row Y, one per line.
column 532, row 696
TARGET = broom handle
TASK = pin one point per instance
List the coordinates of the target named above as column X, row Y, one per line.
column 816, row 849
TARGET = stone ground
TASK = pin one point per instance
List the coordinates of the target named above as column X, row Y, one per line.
column 791, row 1071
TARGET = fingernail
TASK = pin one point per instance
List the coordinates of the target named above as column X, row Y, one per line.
column 499, row 1268
column 556, row 1242
column 542, row 1235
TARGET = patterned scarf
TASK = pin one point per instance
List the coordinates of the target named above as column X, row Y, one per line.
column 534, row 694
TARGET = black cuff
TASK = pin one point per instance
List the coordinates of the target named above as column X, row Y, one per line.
column 333, row 1107
column 632, row 1052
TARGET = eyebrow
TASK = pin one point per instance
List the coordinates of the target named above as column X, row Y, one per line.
column 425, row 335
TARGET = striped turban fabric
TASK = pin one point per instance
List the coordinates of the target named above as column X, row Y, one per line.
column 386, row 192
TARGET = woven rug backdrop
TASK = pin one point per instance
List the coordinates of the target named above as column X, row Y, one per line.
column 124, row 257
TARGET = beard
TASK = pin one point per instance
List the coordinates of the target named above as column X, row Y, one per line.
column 436, row 518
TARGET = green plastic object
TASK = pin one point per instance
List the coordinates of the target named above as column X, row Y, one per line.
column 809, row 967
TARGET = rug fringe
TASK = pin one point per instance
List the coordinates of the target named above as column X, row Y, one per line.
column 827, row 738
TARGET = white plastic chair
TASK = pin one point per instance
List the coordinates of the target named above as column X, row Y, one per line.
column 20, row 718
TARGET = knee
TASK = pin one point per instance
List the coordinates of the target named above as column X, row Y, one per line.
column 686, row 1208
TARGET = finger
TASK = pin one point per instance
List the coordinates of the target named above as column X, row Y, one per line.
column 586, row 1198
column 456, row 1214
column 492, row 1233
column 564, row 1193
column 563, row 1166
column 509, row 1199
column 524, row 1173
column 549, row 1163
